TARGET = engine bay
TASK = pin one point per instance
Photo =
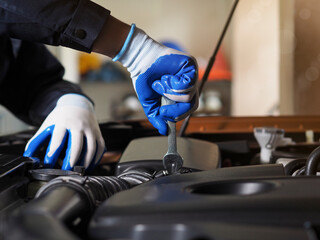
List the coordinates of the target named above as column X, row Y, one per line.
column 223, row 191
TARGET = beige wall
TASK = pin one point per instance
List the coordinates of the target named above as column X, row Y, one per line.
column 262, row 57
column 255, row 57
column 287, row 43
column 194, row 24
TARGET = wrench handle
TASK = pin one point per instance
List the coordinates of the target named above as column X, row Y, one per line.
column 172, row 138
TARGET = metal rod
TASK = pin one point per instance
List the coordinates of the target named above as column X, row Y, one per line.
column 210, row 64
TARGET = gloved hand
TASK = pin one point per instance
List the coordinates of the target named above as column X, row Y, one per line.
column 158, row 71
column 71, row 122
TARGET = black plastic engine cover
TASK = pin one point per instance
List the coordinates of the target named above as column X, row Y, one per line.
column 256, row 202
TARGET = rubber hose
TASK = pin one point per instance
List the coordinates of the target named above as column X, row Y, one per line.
column 63, row 200
column 97, row 188
column 294, row 165
column 312, row 162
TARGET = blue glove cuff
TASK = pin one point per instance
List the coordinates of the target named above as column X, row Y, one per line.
column 126, row 43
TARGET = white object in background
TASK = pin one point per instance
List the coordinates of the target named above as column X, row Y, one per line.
column 9, row 123
column 309, row 136
column 284, row 161
column 213, row 101
column 268, row 138
column 132, row 103
column 69, row 60
column 285, row 142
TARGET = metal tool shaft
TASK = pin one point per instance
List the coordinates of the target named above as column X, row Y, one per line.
column 172, row 139
column 172, row 161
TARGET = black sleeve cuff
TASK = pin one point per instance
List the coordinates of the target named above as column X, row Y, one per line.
column 85, row 26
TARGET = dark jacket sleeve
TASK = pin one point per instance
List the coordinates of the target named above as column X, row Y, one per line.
column 30, row 77
column 70, row 23
column 33, row 81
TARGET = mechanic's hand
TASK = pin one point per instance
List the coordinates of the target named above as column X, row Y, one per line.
column 158, row 71
column 72, row 123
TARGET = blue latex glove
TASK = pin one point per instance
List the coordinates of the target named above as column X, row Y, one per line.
column 71, row 123
column 158, row 71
